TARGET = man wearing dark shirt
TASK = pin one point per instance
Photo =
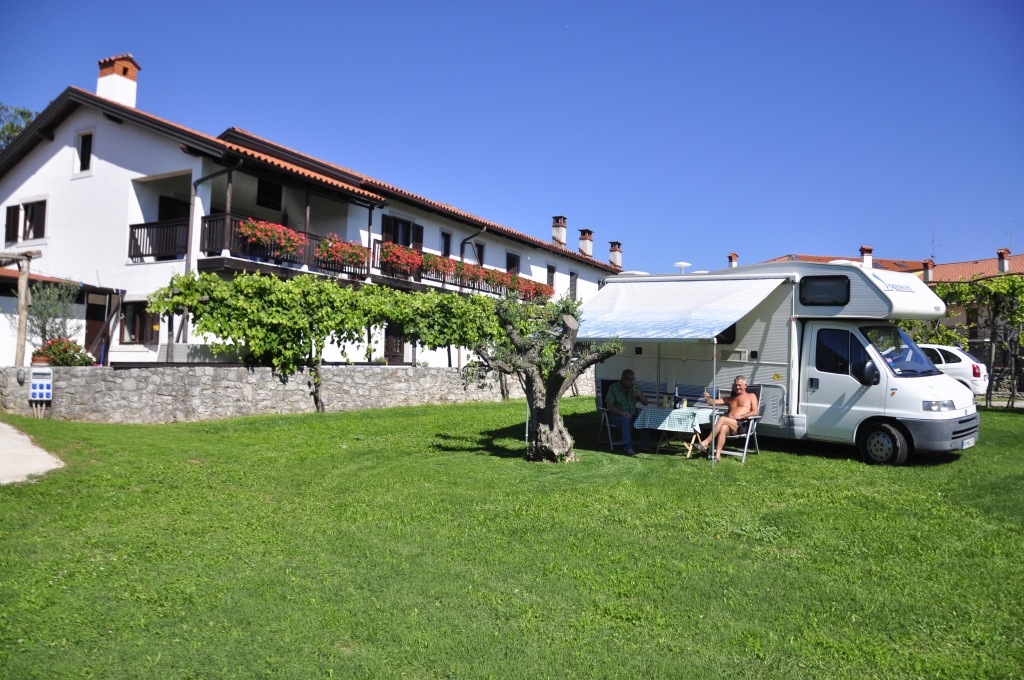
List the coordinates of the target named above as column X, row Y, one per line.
column 622, row 412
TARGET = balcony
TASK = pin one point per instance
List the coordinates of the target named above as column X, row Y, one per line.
column 166, row 240
column 220, row 233
column 466, row 277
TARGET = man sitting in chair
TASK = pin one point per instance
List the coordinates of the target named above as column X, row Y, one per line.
column 742, row 405
column 622, row 412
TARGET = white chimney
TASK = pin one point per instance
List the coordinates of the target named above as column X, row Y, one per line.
column 587, row 242
column 1004, row 260
column 615, row 254
column 929, row 271
column 865, row 256
column 558, row 231
column 734, row 259
column 117, row 79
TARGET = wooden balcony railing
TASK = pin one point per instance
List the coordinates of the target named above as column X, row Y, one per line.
column 166, row 240
column 420, row 273
column 220, row 233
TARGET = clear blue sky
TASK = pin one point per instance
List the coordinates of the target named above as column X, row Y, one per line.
column 685, row 130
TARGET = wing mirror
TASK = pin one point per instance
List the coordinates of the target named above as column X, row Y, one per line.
column 870, row 375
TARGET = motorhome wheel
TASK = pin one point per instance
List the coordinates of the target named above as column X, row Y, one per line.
column 883, row 444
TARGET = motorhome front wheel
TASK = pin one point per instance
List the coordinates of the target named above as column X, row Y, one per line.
column 883, row 444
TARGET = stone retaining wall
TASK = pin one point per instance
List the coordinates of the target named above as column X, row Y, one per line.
column 164, row 394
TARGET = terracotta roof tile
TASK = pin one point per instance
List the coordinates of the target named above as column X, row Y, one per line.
column 377, row 184
column 911, row 266
column 965, row 271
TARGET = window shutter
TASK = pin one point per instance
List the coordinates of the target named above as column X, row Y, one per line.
column 151, row 332
column 417, row 237
column 39, row 220
column 11, row 230
column 387, row 229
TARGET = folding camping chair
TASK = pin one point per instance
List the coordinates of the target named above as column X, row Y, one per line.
column 748, row 429
column 606, row 423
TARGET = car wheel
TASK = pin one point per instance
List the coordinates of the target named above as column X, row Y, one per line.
column 883, row 444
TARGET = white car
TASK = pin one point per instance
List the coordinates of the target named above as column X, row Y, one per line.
column 960, row 365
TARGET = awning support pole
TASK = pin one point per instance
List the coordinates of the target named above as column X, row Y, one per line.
column 714, row 400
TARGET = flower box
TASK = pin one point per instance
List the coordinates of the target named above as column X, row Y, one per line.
column 333, row 249
column 279, row 239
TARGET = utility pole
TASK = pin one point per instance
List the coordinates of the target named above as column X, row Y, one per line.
column 24, row 262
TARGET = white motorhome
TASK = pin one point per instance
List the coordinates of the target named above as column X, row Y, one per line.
column 819, row 339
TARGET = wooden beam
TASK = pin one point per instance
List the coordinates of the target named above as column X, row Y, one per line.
column 24, row 301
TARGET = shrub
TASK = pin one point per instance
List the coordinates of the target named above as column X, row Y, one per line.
column 65, row 352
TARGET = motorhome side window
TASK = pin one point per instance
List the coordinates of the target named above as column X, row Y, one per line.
column 819, row 291
column 839, row 352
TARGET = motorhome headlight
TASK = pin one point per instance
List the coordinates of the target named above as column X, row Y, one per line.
column 937, row 405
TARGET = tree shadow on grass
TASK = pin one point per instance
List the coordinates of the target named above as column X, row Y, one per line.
column 510, row 441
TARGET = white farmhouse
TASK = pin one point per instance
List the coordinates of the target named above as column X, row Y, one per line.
column 119, row 200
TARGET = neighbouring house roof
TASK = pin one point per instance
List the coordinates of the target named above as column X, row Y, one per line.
column 236, row 144
column 9, row 276
column 248, row 139
column 972, row 269
column 910, row 266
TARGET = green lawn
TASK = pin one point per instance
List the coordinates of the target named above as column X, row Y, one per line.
column 417, row 542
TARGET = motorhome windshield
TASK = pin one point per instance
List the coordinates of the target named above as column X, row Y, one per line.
column 901, row 354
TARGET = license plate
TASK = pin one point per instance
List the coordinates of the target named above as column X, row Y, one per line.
column 967, row 443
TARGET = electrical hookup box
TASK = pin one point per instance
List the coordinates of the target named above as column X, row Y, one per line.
column 41, row 386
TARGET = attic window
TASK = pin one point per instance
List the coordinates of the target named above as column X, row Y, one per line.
column 268, row 195
column 124, row 71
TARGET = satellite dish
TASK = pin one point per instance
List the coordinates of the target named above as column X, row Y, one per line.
column 682, row 266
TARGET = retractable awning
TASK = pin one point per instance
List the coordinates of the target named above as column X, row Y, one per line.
column 679, row 310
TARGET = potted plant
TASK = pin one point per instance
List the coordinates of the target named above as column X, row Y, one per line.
column 333, row 249
column 62, row 352
column 438, row 268
column 276, row 238
column 400, row 259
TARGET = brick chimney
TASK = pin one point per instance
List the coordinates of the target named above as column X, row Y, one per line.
column 558, row 231
column 1004, row 260
column 587, row 242
column 734, row 260
column 117, row 79
column 615, row 254
column 865, row 256
column 929, row 271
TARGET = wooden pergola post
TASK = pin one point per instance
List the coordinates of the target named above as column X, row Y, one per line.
column 24, row 262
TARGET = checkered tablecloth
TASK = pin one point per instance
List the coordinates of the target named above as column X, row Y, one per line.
column 673, row 419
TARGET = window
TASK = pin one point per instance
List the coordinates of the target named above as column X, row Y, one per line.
column 950, row 357
column 551, row 275
column 480, row 254
column 818, row 291
column 268, row 194
column 840, row 352
column 932, row 354
column 35, row 220
column 446, row 244
column 573, row 277
column 172, row 209
column 139, row 327
column 512, row 263
column 85, row 152
column 900, row 353
column 13, row 220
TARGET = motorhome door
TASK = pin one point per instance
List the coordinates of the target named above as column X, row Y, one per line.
column 833, row 398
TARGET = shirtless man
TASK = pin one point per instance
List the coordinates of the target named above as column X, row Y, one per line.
column 741, row 404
